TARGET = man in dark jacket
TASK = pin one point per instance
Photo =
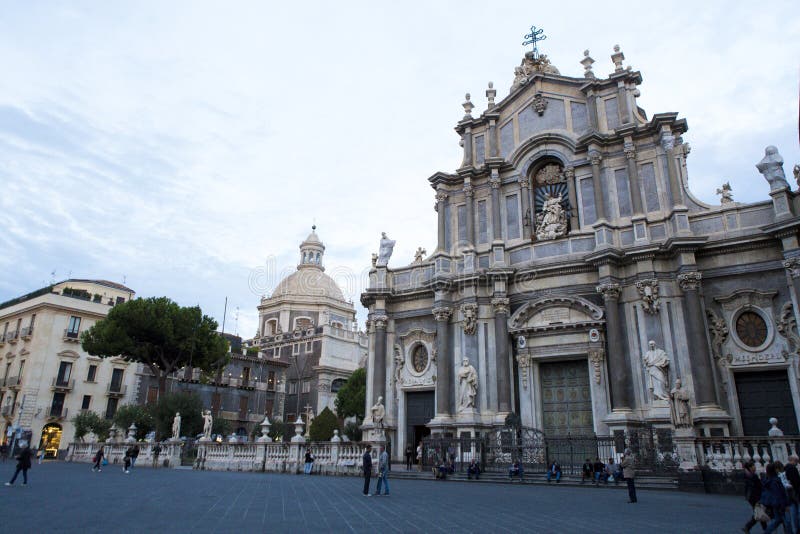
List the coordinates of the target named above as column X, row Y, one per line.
column 587, row 471
column 794, row 495
column 367, row 466
column 752, row 492
column 23, row 464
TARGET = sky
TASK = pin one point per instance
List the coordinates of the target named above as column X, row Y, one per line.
column 186, row 148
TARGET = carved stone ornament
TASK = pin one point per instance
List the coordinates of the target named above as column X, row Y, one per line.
column 551, row 173
column 441, row 196
column 609, row 290
column 494, row 181
column 718, row 329
column 531, row 64
column 667, row 141
column 787, row 326
column 792, row 266
column 419, row 255
column 595, row 157
column 630, row 150
column 648, row 291
column 323, row 386
column 399, row 363
column 379, row 321
column 551, row 222
column 524, row 183
column 523, row 361
column 690, row 281
column 539, row 104
column 726, row 193
column 771, row 166
column 442, row 313
column 468, row 190
column 500, row 305
column 470, row 313
column 596, row 357
column 569, row 172
column 796, row 172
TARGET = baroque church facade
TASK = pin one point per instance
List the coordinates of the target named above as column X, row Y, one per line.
column 578, row 282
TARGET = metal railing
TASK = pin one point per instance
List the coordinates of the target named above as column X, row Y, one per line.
column 71, row 335
column 116, row 390
column 62, row 384
column 27, row 332
column 58, row 412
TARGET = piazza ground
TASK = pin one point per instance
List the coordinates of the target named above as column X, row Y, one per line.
column 68, row 497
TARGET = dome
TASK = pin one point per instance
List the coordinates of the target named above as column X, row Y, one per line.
column 308, row 283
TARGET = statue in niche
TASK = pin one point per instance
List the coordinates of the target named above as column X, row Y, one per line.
column 385, row 250
column 468, row 385
column 176, row 426
column 551, row 222
column 378, row 413
column 657, row 364
column 470, row 312
column 680, row 408
column 399, row 363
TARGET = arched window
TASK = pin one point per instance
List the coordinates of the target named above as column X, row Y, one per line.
column 337, row 384
column 271, row 327
column 302, row 323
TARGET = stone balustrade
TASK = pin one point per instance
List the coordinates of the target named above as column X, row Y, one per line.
column 726, row 454
column 114, row 452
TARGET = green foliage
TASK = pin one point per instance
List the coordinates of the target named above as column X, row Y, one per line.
column 278, row 430
column 252, row 351
column 160, row 334
column 220, row 426
column 351, row 398
column 133, row 413
column 188, row 405
column 323, row 425
column 86, row 422
column 353, row 431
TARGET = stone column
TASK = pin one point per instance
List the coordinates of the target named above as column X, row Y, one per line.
column 379, row 362
column 668, row 144
column 618, row 367
column 501, row 309
column 527, row 226
column 622, row 103
column 493, row 152
column 633, row 177
column 591, row 104
column 467, row 137
column 444, row 364
column 470, row 208
column 441, row 198
column 569, row 176
column 494, row 182
column 599, row 207
column 700, row 358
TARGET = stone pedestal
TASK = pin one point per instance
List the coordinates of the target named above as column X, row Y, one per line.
column 684, row 439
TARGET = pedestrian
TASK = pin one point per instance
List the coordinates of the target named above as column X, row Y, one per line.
column 752, row 493
column 40, row 455
column 451, row 455
column 98, row 459
column 4, row 451
column 474, row 469
column 793, row 477
column 599, row 469
column 419, row 456
column 409, row 456
column 134, row 455
column 309, row 463
column 23, row 464
column 367, row 467
column 126, row 461
column 629, row 473
column 587, row 471
column 383, row 471
column 773, row 496
column 554, row 471
column 156, row 451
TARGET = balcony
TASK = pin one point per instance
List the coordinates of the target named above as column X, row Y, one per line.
column 116, row 390
column 62, row 385
column 7, row 411
column 72, row 336
column 13, row 382
column 58, row 412
column 12, row 336
column 26, row 333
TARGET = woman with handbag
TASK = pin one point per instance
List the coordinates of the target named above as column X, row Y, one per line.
column 752, row 493
column 773, row 496
column 98, row 459
column 23, row 464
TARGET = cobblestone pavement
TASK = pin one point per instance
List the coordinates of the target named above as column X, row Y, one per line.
column 65, row 497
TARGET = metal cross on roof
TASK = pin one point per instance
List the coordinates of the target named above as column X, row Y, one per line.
column 534, row 37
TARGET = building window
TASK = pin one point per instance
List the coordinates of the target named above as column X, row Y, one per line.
column 751, row 329
column 152, row 395
column 74, row 326
column 87, row 400
column 302, row 323
column 243, row 408
column 91, row 376
column 268, row 406
column 64, row 372
column 290, row 417
column 116, row 380
column 295, row 348
column 308, row 346
column 306, row 386
column 58, row 405
column 245, row 375
column 216, row 402
column 337, row 384
column 271, row 381
column 111, row 407
column 293, row 387
column 21, row 367
column 420, row 358
column 271, row 327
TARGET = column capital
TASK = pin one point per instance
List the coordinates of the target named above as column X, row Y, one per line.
column 379, row 321
column 630, row 150
column 442, row 313
column 500, row 305
column 595, row 157
column 523, row 182
column 690, row 281
column 609, row 291
column 667, row 141
column 468, row 190
column 569, row 172
column 441, row 196
column 494, row 181
column 792, row 266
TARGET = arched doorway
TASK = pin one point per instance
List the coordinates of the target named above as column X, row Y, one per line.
column 51, row 439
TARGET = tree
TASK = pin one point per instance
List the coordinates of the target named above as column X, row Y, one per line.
column 221, row 426
column 323, row 425
column 160, row 334
column 352, row 397
column 188, row 405
column 277, row 430
column 142, row 416
column 353, row 431
column 86, row 422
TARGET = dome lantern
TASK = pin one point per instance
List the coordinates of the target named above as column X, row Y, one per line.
column 311, row 251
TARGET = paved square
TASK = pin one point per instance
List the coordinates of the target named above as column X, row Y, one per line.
column 65, row 497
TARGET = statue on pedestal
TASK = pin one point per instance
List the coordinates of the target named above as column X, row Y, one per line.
column 385, row 250
column 176, row 427
column 468, row 385
column 208, row 421
column 657, row 363
column 771, row 166
column 378, row 413
column 680, row 408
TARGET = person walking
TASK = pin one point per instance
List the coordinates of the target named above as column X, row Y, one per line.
column 773, row 496
column 629, row 473
column 367, row 466
column 419, row 456
column 309, row 463
column 752, row 493
column 793, row 477
column 134, row 455
column 23, row 464
column 40, row 455
column 126, row 461
column 383, row 471
column 98, row 460
column 409, row 456
column 156, row 450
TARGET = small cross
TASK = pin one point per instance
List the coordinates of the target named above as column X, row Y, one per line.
column 534, row 37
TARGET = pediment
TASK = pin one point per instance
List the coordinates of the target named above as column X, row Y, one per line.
column 554, row 313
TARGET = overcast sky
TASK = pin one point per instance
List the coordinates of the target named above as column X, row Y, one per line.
column 186, row 148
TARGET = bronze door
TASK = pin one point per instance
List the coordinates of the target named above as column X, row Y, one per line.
column 566, row 398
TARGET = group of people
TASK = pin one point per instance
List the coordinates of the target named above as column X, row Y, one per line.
column 383, row 471
column 597, row 471
column 774, row 496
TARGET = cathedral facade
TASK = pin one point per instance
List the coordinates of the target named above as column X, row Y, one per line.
column 578, row 283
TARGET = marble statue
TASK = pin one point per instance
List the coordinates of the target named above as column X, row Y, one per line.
column 419, row 255
column 176, row 426
column 680, row 408
column 771, row 166
column 378, row 412
column 726, row 193
column 657, row 364
column 796, row 172
column 468, row 385
column 551, row 222
column 470, row 312
column 774, row 431
column 385, row 250
column 208, row 421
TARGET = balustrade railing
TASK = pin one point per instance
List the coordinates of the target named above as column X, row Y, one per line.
column 731, row 453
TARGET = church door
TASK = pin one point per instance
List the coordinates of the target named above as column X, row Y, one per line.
column 763, row 395
column 420, row 409
column 566, row 398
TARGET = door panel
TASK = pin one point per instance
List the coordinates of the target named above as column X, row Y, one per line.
column 566, row 398
column 763, row 395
